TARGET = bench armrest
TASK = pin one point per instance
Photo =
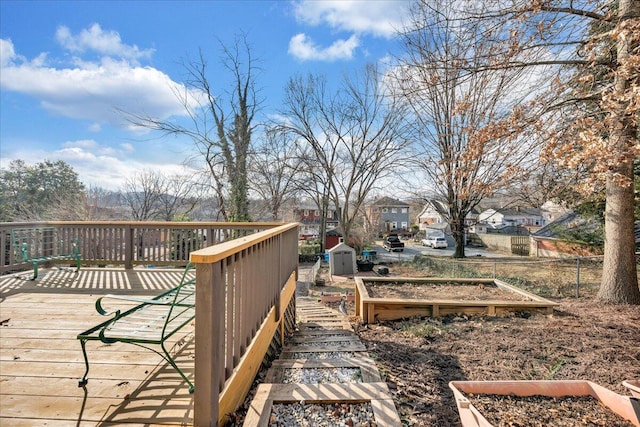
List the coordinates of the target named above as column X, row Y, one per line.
column 170, row 301
column 100, row 309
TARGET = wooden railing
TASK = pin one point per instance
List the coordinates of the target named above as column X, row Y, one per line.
column 244, row 288
column 132, row 243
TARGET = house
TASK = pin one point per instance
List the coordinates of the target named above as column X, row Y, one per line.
column 432, row 213
column 551, row 211
column 387, row 214
column 431, row 220
column 310, row 219
column 499, row 218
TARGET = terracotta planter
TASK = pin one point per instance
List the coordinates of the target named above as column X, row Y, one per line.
column 633, row 386
column 471, row 417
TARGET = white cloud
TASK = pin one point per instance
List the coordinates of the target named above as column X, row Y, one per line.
column 83, row 143
column 94, row 91
column 380, row 18
column 7, row 52
column 97, row 164
column 301, row 47
column 127, row 147
column 95, row 127
column 106, row 43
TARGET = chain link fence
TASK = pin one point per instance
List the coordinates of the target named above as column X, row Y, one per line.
column 578, row 277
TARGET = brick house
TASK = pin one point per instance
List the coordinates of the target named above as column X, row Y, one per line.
column 310, row 219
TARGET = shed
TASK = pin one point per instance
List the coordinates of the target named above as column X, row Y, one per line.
column 342, row 260
column 333, row 238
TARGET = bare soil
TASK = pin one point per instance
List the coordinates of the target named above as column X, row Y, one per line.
column 581, row 340
column 511, row 411
column 456, row 291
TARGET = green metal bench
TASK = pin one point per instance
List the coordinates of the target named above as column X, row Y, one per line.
column 149, row 324
column 43, row 244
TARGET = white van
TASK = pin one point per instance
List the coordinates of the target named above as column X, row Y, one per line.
column 435, row 242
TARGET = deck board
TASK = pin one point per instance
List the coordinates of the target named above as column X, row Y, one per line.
column 41, row 360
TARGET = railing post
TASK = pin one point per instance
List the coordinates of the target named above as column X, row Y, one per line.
column 209, row 338
column 128, row 247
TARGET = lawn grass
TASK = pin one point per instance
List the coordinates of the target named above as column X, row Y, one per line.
column 555, row 278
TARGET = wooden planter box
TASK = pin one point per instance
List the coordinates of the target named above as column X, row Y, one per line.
column 377, row 394
column 371, row 309
column 633, row 386
column 471, row 417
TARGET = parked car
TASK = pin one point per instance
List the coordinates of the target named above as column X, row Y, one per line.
column 435, row 242
column 393, row 244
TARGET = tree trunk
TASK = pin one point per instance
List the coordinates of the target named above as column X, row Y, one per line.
column 619, row 272
column 457, row 230
column 324, row 209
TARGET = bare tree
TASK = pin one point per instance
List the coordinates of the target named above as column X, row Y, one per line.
column 470, row 143
column 141, row 192
column 547, row 181
column 221, row 128
column 314, row 181
column 353, row 136
column 273, row 170
column 99, row 204
column 152, row 195
column 179, row 196
column 591, row 113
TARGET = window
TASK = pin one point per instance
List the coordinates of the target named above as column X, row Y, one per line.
column 317, row 213
column 385, row 210
column 394, row 225
column 404, row 225
column 405, row 210
column 306, row 212
column 394, row 210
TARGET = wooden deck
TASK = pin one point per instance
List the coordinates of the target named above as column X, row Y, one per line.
column 41, row 359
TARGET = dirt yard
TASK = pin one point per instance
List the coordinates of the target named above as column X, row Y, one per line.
column 580, row 341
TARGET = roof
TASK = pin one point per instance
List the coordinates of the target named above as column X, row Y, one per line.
column 518, row 211
column 388, row 201
column 568, row 221
column 335, row 232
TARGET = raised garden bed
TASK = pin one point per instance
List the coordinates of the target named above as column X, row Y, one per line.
column 365, row 404
column 534, row 403
column 380, row 299
column 633, row 386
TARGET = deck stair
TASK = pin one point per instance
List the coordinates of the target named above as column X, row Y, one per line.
column 324, row 367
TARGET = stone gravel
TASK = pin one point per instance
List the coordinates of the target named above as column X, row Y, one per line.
column 321, row 375
column 322, row 355
column 322, row 415
column 332, row 343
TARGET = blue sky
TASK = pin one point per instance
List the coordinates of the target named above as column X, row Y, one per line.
column 67, row 67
